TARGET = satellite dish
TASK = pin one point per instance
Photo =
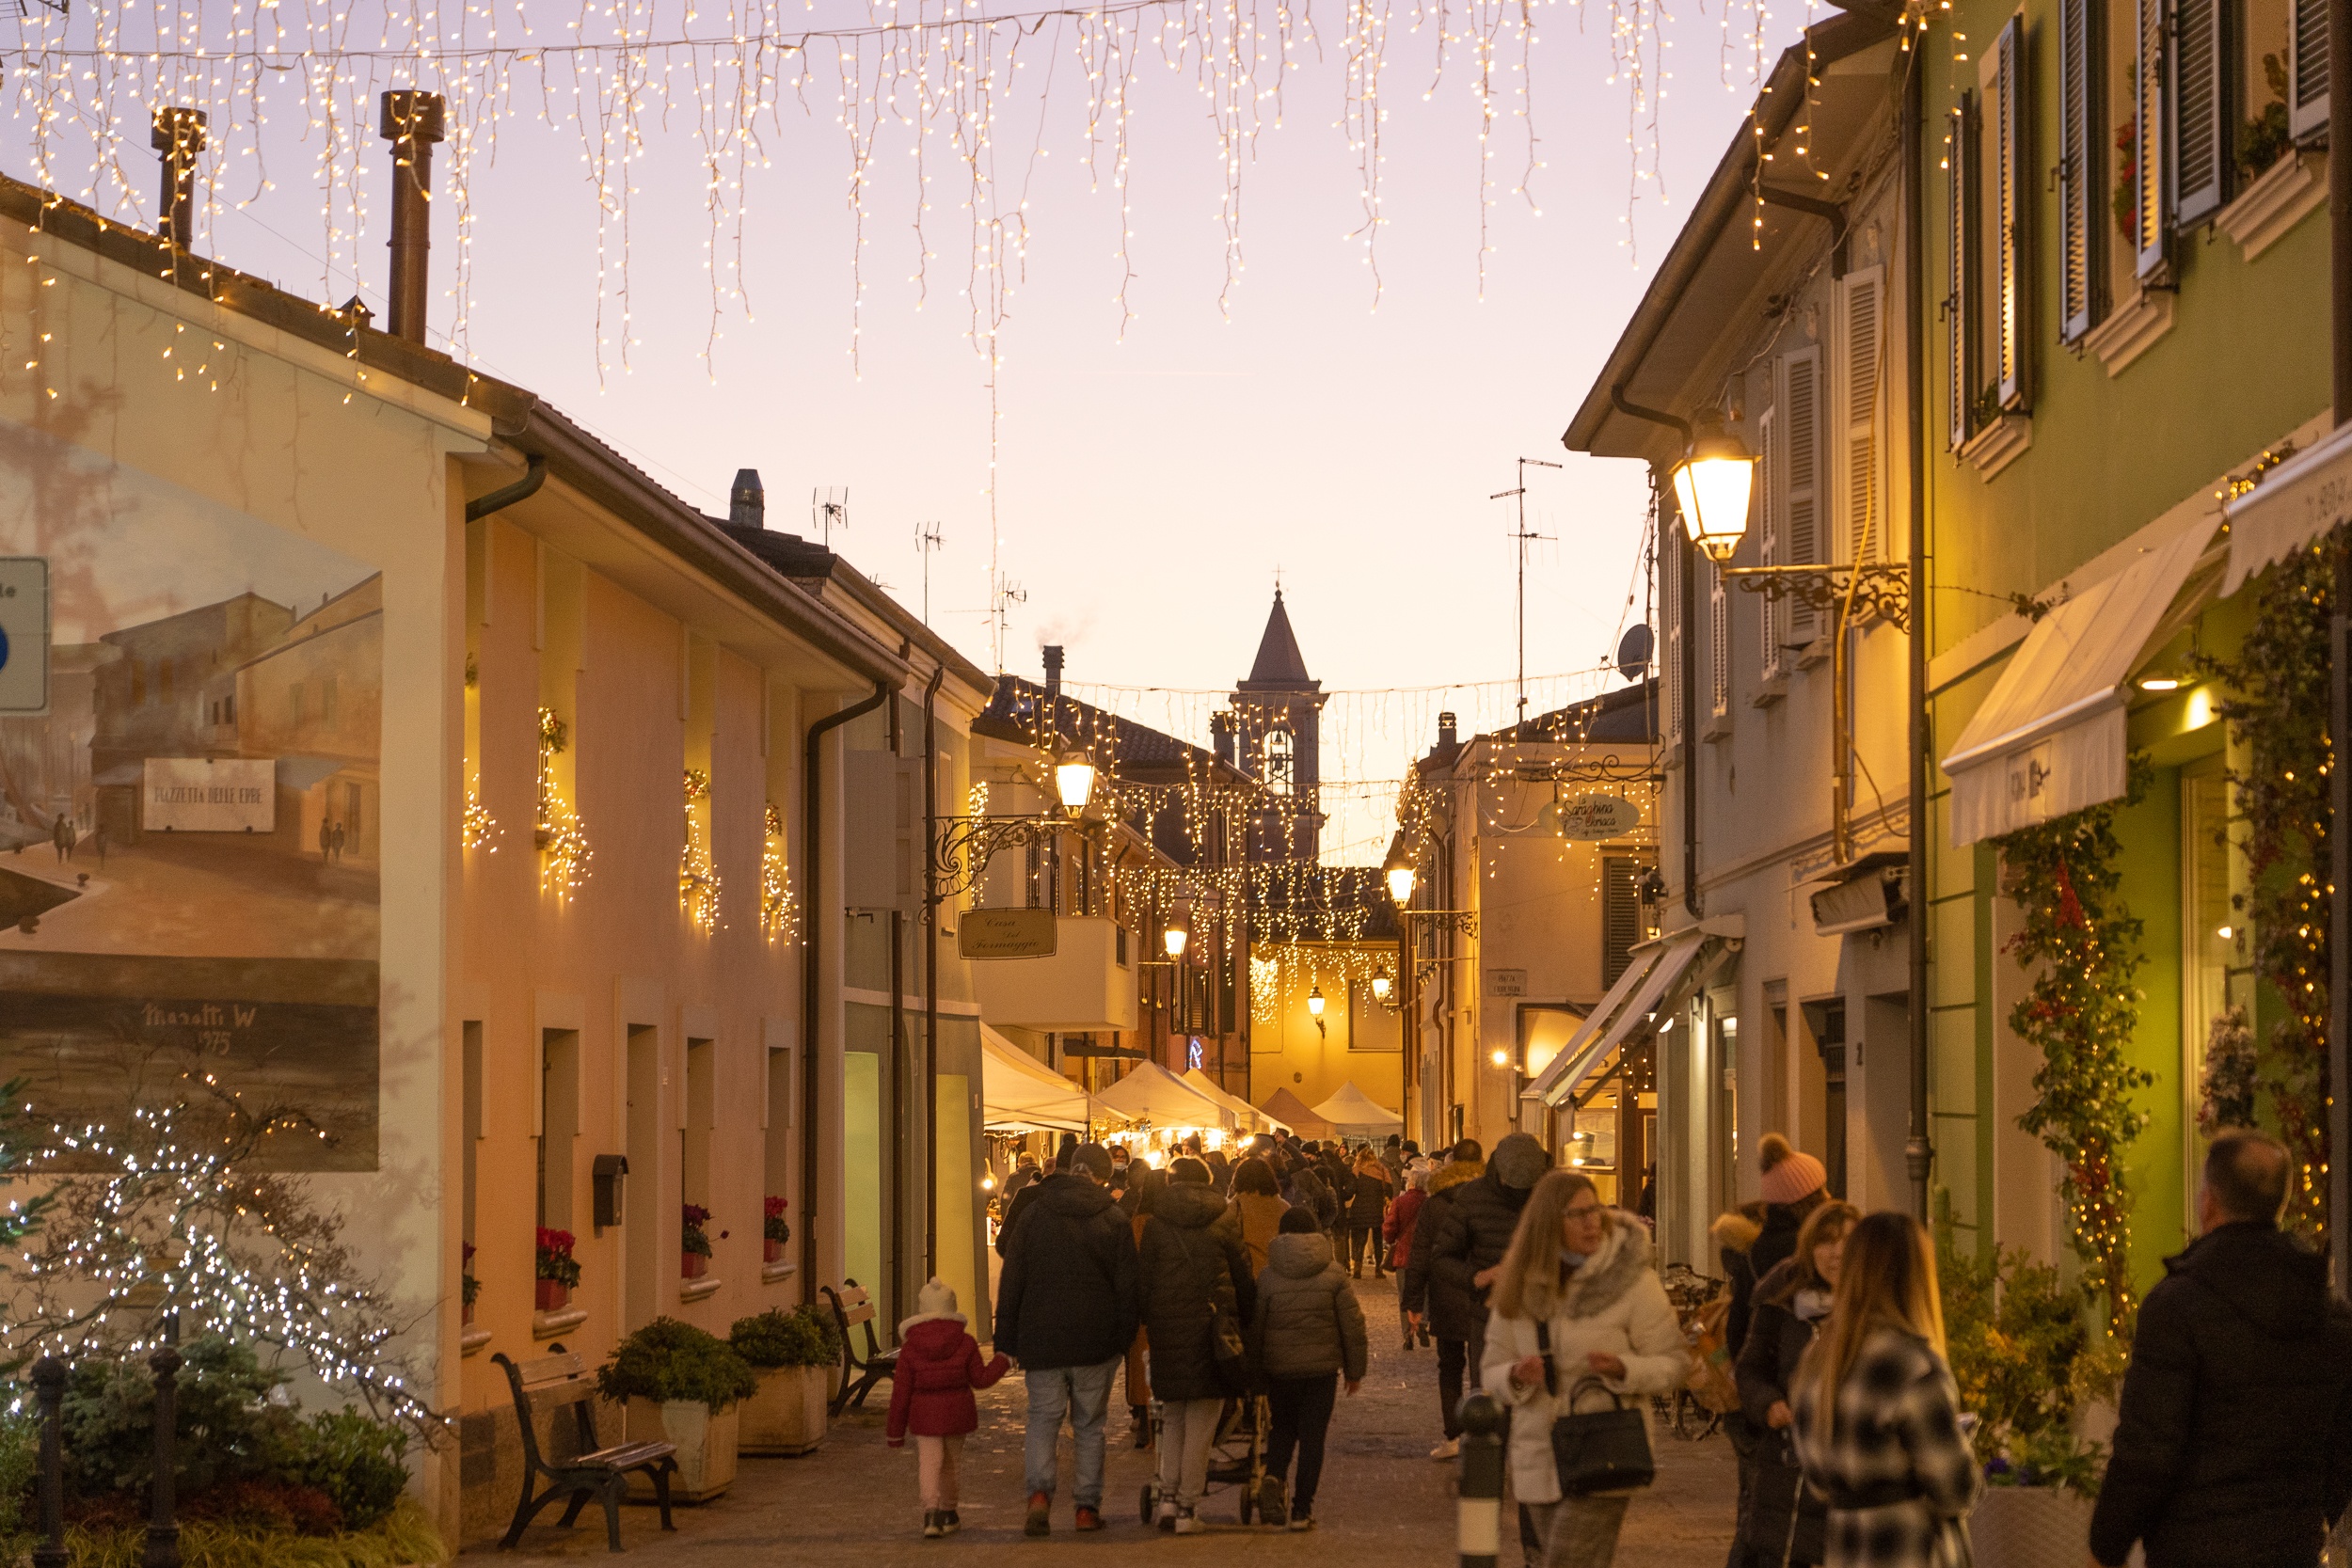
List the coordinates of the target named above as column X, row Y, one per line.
column 1633, row 650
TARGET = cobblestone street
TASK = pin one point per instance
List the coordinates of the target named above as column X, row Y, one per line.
column 1384, row 1503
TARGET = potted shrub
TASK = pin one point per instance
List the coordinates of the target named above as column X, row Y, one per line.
column 469, row 1287
column 773, row 1232
column 791, row 1354
column 558, row 1271
column 2029, row 1353
column 694, row 1242
column 675, row 1382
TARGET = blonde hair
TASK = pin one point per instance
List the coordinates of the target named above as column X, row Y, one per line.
column 1830, row 1223
column 1887, row 1280
column 1535, row 1255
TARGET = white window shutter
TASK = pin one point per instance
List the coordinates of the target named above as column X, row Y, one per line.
column 2307, row 68
column 2013, row 187
column 2201, row 115
column 1861, row 346
column 1960, row 281
column 2151, row 235
column 2082, row 165
column 1719, row 638
column 1801, row 476
column 1772, row 613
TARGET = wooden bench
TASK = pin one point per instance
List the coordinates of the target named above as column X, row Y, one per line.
column 853, row 1308
column 596, row 1471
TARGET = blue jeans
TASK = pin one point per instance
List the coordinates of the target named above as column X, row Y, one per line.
column 1084, row 1394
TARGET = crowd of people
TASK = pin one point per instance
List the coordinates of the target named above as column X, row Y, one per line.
column 1215, row 1282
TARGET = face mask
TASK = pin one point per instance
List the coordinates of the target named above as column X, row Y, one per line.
column 1573, row 1259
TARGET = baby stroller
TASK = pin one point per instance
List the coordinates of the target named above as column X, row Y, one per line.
column 1236, row 1457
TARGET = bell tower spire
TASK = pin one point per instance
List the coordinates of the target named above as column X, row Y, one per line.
column 1278, row 712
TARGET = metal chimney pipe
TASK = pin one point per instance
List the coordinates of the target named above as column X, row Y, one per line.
column 1053, row 668
column 411, row 121
column 180, row 135
column 747, row 502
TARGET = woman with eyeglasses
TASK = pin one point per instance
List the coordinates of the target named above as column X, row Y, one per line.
column 1579, row 1282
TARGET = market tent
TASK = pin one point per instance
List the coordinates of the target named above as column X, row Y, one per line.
column 1151, row 1093
column 1018, row 1090
column 1290, row 1111
column 1352, row 1110
column 1248, row 1117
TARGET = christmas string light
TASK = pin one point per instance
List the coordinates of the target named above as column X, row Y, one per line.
column 698, row 881
column 563, row 841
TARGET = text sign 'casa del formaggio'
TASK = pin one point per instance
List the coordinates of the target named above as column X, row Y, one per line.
column 1007, row 934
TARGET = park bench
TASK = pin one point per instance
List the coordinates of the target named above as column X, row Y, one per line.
column 853, row 1308
column 596, row 1471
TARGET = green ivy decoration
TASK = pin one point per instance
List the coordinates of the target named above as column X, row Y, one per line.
column 2080, row 1013
column 2277, row 708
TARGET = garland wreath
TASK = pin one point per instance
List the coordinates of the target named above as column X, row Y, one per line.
column 2080, row 1012
column 2278, row 710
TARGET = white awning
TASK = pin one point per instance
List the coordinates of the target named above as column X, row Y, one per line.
column 2296, row 502
column 1247, row 1117
column 1639, row 962
column 2049, row 738
column 1151, row 1093
column 1018, row 1090
column 1661, row 987
column 1352, row 1107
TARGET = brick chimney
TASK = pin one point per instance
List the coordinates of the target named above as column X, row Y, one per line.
column 1445, row 732
column 1053, row 668
column 747, row 502
column 412, row 123
column 1222, row 740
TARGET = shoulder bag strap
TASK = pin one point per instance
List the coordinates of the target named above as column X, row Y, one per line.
column 1543, row 1348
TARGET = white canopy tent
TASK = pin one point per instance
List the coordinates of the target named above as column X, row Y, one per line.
column 1019, row 1091
column 1351, row 1110
column 1151, row 1093
column 1247, row 1117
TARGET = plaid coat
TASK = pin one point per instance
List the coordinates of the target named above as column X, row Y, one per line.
column 1897, row 1445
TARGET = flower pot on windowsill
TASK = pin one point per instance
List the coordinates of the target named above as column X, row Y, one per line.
column 2030, row 1526
column 771, row 1251
column 692, row 1265
column 706, row 1443
column 551, row 1295
column 789, row 1414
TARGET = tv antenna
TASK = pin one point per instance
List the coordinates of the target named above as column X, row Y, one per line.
column 827, row 507
column 927, row 539
column 1007, row 594
column 1522, row 536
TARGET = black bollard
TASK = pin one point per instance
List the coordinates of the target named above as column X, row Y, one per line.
column 1478, row 1529
column 163, row 1533
column 49, row 1389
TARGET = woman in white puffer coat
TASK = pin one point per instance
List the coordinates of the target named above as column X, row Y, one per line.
column 1584, row 1271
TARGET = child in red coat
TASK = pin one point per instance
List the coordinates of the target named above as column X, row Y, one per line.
column 930, row 1395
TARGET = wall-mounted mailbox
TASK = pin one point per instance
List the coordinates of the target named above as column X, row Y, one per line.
column 611, row 1173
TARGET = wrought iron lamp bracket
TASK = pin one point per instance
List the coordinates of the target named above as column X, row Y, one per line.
column 965, row 844
column 1880, row 589
column 1464, row 921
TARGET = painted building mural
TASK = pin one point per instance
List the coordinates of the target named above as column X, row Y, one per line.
column 188, row 831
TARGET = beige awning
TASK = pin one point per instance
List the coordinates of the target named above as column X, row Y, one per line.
column 1152, row 1094
column 1639, row 962
column 2049, row 738
column 1247, row 1117
column 2296, row 502
column 1660, row 986
column 1018, row 1090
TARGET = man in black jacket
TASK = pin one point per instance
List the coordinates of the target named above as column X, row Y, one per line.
column 2234, row 1439
column 1067, row 1310
column 1467, row 1230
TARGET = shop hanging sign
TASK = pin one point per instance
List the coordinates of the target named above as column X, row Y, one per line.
column 1007, row 934
column 1598, row 817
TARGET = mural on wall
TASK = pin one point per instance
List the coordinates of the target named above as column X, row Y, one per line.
column 190, row 823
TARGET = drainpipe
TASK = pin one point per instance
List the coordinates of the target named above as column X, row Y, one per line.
column 2340, row 645
column 522, row 489
column 900, row 1113
column 931, row 970
column 180, row 135
column 1687, row 700
column 811, row 1081
column 1919, row 1150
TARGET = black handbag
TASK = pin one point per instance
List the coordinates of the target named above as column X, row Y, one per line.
column 1601, row 1450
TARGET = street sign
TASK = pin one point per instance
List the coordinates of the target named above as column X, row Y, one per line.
column 23, row 634
column 1598, row 817
column 1005, row 934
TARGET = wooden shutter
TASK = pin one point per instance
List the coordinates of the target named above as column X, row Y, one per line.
column 1960, row 281
column 1801, row 476
column 1719, row 640
column 2307, row 68
column 1772, row 613
column 2201, row 118
column 2152, row 236
column 2012, row 185
column 1670, row 548
column 1861, row 342
column 1620, row 915
column 2082, row 167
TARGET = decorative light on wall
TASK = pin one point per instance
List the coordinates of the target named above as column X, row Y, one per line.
column 779, row 913
column 563, row 841
column 697, row 877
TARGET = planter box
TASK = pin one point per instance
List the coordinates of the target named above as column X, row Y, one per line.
column 705, row 1446
column 787, row 1415
column 692, row 1265
column 770, row 1252
column 550, row 1295
column 2030, row 1526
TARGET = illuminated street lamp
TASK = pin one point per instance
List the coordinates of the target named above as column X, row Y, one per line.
column 1380, row 987
column 1712, row 484
column 1401, row 883
column 1174, row 938
column 1073, row 781
column 1314, row 1008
